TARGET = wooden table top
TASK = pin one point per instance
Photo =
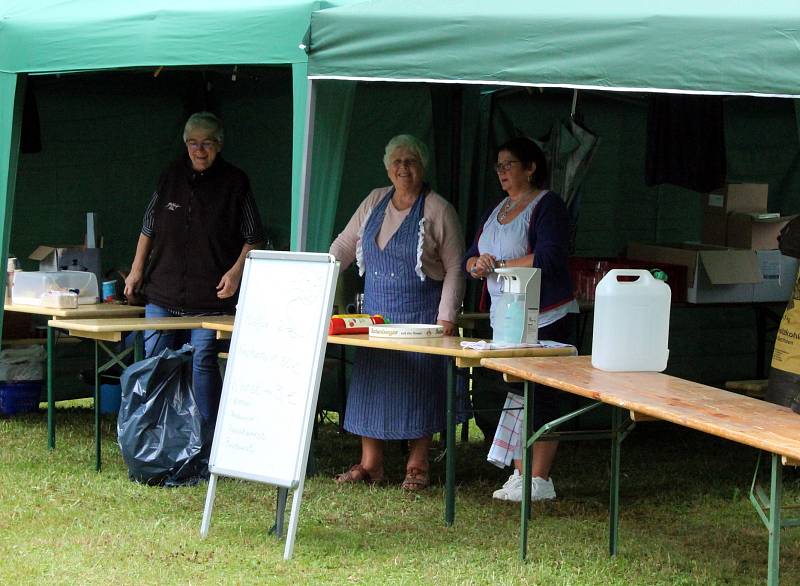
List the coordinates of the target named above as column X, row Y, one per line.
column 221, row 323
column 443, row 346
column 83, row 311
column 111, row 329
column 721, row 413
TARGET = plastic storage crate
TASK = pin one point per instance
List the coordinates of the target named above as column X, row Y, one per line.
column 19, row 397
column 586, row 273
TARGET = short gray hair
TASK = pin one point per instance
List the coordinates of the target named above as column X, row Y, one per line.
column 406, row 141
column 206, row 121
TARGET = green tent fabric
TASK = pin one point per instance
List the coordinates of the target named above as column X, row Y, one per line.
column 60, row 36
column 676, row 45
column 74, row 35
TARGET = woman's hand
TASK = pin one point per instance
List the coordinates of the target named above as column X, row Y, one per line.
column 483, row 266
column 450, row 329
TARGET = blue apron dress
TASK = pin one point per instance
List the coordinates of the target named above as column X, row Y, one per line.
column 397, row 395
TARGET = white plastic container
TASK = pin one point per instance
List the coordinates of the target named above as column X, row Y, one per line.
column 631, row 322
column 31, row 288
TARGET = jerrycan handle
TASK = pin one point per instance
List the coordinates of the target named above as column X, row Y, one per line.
column 630, row 277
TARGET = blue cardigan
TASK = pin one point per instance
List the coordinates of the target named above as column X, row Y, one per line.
column 548, row 239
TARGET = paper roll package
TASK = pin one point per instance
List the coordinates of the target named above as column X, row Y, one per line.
column 406, row 331
column 353, row 323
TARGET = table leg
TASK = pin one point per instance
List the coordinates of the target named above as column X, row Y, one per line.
column 138, row 346
column 775, row 501
column 97, row 462
column 613, row 506
column 761, row 331
column 450, row 478
column 51, row 399
column 527, row 468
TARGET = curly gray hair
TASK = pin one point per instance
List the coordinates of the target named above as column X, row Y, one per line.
column 409, row 142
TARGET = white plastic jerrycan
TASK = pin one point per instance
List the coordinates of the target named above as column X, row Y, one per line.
column 631, row 322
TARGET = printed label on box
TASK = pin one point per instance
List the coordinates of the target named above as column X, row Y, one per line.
column 771, row 267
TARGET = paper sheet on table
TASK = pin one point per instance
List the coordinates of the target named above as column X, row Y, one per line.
column 494, row 345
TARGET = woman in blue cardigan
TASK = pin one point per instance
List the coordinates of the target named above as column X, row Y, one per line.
column 529, row 227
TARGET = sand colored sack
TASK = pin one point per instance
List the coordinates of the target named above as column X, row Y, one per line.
column 784, row 376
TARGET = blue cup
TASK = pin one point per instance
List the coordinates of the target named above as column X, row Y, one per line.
column 109, row 290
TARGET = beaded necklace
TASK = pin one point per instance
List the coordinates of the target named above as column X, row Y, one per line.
column 509, row 204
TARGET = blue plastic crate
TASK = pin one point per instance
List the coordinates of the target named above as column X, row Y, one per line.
column 19, row 397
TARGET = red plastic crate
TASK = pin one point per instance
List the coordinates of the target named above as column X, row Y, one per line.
column 586, row 273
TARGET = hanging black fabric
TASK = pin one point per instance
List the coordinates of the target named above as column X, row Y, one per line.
column 31, row 135
column 686, row 142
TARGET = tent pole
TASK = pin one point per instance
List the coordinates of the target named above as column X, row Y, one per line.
column 300, row 214
column 12, row 98
column 300, row 103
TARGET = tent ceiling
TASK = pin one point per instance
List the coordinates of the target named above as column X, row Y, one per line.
column 708, row 46
column 73, row 35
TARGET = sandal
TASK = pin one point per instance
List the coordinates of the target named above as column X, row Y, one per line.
column 356, row 474
column 416, row 480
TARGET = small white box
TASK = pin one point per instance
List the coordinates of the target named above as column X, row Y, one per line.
column 31, row 287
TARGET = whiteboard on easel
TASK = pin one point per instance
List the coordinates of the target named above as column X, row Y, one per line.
column 269, row 394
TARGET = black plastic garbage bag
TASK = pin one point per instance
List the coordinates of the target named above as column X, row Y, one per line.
column 163, row 437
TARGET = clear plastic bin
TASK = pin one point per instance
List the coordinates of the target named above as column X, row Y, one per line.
column 30, row 287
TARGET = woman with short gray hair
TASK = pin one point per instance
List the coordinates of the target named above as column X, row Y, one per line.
column 407, row 242
column 200, row 224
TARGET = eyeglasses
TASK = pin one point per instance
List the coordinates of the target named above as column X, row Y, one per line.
column 397, row 163
column 206, row 145
column 500, row 167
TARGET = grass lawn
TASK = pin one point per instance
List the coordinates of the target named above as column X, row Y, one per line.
column 685, row 518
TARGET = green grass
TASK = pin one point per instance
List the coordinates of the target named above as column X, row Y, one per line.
column 685, row 519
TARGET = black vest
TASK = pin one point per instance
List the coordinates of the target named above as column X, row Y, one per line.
column 196, row 235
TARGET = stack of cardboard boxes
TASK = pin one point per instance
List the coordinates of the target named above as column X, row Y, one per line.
column 738, row 261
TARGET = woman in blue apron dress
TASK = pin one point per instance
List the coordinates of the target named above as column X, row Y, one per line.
column 397, row 395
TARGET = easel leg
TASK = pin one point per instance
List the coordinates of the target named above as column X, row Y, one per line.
column 527, row 469
column 775, row 502
column 210, row 494
column 450, row 460
column 297, row 496
column 280, row 513
column 613, row 505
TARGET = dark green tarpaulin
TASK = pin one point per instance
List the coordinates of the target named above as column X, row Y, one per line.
column 677, row 45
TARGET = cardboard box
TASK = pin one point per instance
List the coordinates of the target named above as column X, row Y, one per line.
column 752, row 231
column 778, row 272
column 714, row 274
column 735, row 197
column 72, row 258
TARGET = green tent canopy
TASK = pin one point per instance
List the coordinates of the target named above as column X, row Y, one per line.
column 712, row 46
column 62, row 36
column 675, row 46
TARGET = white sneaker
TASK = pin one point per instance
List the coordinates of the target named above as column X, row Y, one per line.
column 511, row 490
column 541, row 489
